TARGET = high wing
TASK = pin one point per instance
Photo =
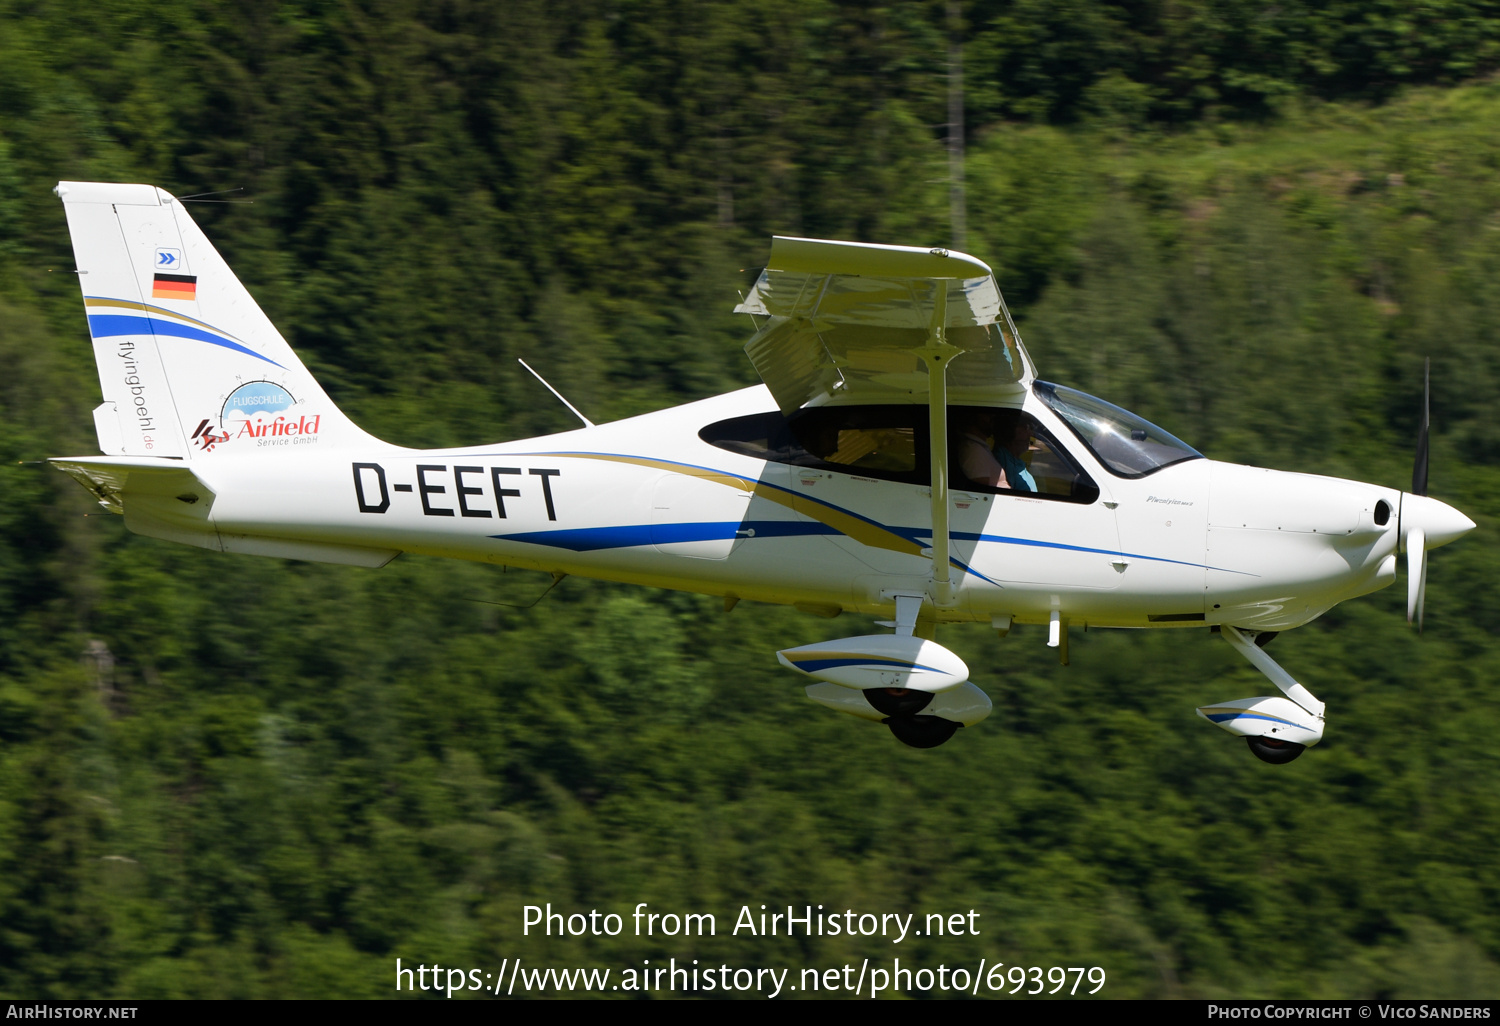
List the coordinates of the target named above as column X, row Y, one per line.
column 850, row 322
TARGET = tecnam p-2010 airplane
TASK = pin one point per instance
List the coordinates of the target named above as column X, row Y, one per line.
column 901, row 459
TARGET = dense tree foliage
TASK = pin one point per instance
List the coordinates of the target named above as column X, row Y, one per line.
column 227, row 776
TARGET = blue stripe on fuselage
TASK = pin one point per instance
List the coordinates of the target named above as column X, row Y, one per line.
column 591, row 539
column 1221, row 717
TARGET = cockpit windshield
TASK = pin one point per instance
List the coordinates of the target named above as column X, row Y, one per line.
column 1124, row 443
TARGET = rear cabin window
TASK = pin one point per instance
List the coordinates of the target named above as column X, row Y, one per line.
column 891, row 443
column 888, row 442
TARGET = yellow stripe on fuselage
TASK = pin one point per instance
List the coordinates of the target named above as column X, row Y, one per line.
column 744, row 484
column 855, row 527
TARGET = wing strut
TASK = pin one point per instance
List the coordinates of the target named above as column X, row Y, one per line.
column 937, row 354
column 842, row 321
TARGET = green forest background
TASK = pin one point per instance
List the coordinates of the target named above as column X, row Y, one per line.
column 225, row 776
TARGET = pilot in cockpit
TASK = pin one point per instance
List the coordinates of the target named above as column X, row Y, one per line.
column 991, row 448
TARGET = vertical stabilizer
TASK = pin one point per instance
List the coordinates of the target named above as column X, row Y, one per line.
column 189, row 364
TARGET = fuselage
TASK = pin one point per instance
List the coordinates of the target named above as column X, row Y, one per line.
column 648, row 501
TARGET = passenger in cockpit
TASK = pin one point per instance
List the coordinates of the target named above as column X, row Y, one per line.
column 1013, row 438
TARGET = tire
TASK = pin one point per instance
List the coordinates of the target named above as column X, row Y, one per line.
column 1275, row 751
column 898, row 701
column 921, row 731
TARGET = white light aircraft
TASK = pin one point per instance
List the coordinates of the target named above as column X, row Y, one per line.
column 901, row 459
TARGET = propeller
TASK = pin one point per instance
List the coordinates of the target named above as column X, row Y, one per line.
column 1416, row 539
column 1425, row 522
column 1416, row 575
column 1419, row 469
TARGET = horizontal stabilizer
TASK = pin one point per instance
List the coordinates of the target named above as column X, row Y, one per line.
column 164, row 498
column 108, row 478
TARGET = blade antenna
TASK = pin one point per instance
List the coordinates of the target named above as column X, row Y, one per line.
column 556, row 580
column 586, row 421
column 1419, row 471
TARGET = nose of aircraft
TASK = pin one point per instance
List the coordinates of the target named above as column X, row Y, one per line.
column 1438, row 521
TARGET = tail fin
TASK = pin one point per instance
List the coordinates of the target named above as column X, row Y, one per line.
column 189, row 364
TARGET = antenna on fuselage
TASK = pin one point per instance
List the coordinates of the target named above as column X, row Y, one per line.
column 586, row 421
column 557, row 578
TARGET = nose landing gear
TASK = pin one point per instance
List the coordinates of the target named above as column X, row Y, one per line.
column 1277, row 729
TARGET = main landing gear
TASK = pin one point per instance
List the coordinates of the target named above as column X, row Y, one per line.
column 901, row 707
column 1274, row 750
column 1277, row 729
column 911, row 684
column 921, row 731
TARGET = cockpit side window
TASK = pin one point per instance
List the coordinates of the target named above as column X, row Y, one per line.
column 1005, row 451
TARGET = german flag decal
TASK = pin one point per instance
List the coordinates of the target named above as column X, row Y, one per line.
column 175, row 286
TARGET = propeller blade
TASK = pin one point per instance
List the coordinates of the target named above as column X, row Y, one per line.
column 1422, row 597
column 1419, row 471
column 1416, row 574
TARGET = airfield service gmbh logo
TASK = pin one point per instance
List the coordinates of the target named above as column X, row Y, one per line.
column 262, row 412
